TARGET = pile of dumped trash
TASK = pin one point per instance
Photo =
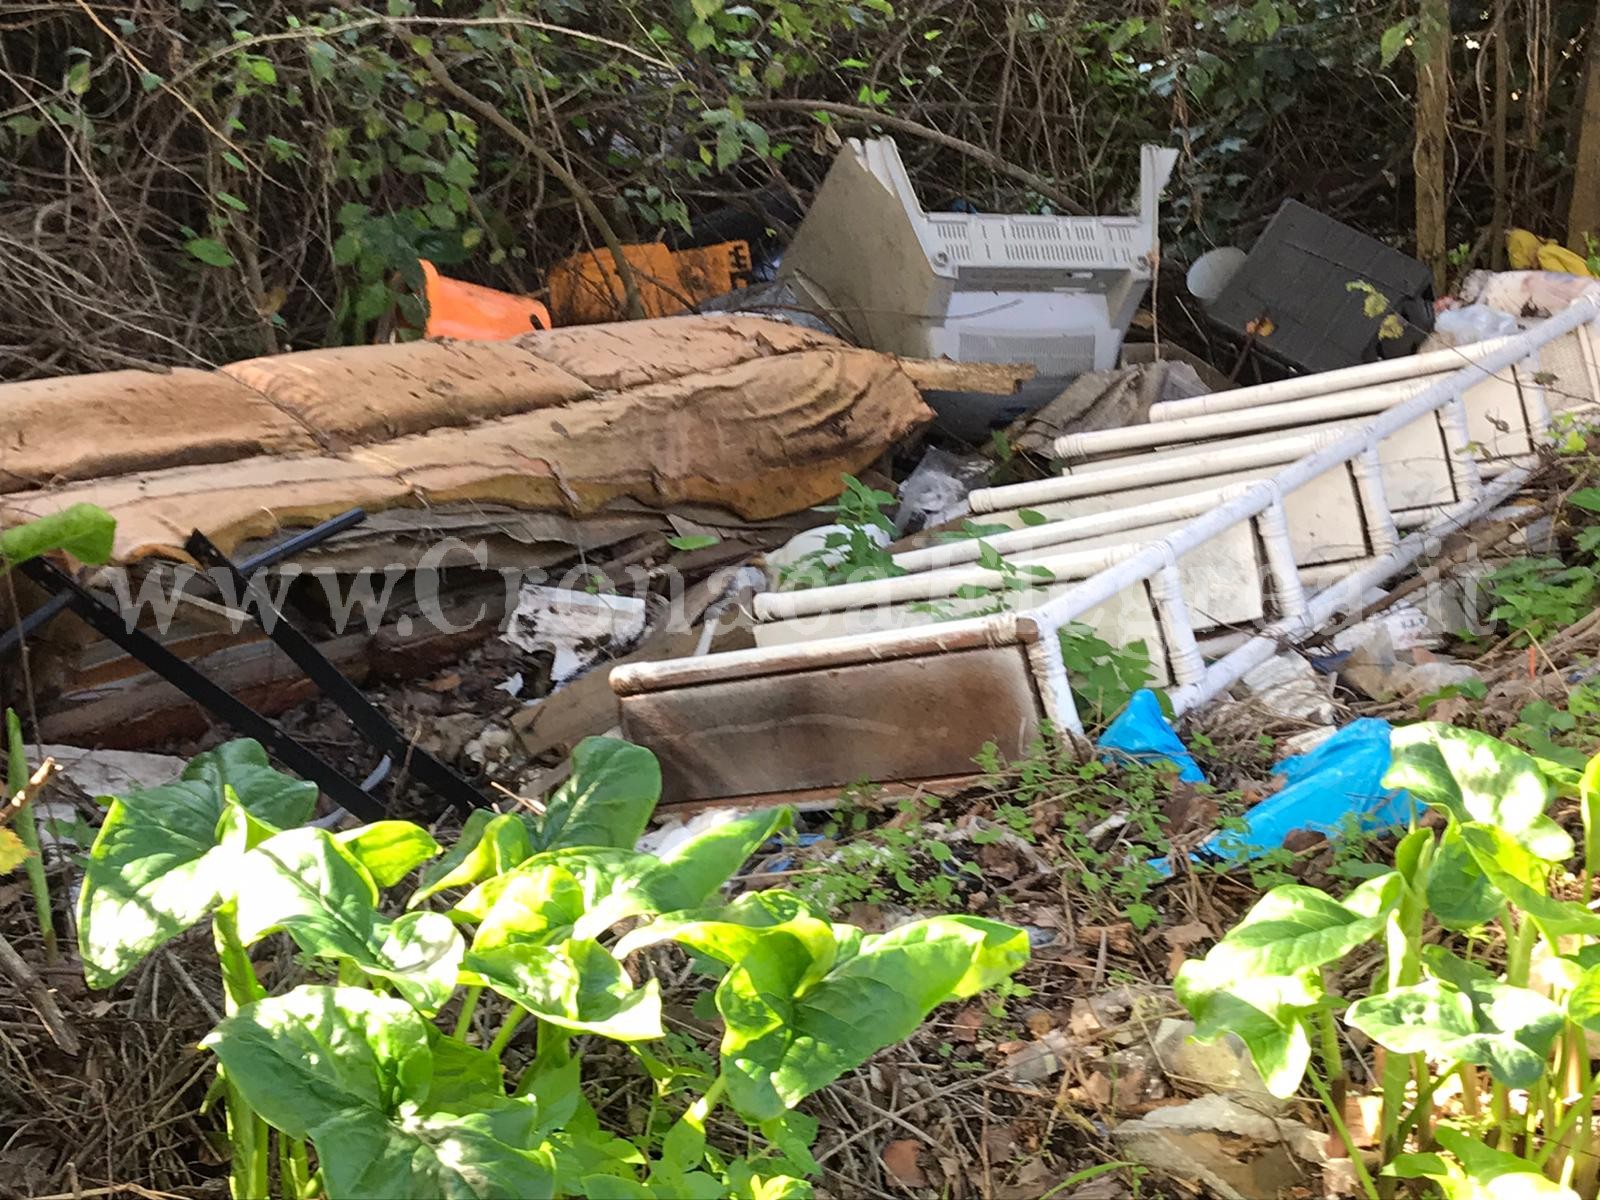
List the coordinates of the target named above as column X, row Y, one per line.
column 638, row 526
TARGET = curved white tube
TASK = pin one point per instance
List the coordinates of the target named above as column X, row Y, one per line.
column 1360, row 403
column 931, row 585
column 1115, row 477
column 1303, row 386
column 1056, row 533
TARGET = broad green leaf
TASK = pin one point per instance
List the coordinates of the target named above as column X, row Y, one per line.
column 777, row 1049
column 1458, row 893
column 1589, row 807
column 727, row 933
column 13, row 851
column 1392, row 42
column 306, row 884
column 1583, row 1002
column 310, row 1056
column 1507, row 1029
column 487, row 847
column 210, row 251
column 694, row 541
column 1479, row 1172
column 600, row 874
column 1294, row 928
column 267, row 794
column 83, row 531
column 1266, row 1012
column 389, row 850
column 607, row 800
column 1477, row 778
column 166, row 856
column 350, row 1070
column 576, row 985
column 540, row 904
column 412, row 1154
column 616, row 1187
column 463, row 1076
column 1522, row 879
column 691, row 872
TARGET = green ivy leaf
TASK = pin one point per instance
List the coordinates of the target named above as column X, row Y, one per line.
column 210, row 251
column 576, row 985
column 84, row 531
column 730, row 143
column 607, row 800
column 166, row 856
column 353, row 1071
column 701, row 35
column 262, row 69
column 1393, row 41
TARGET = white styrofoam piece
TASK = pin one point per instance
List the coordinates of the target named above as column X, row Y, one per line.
column 580, row 628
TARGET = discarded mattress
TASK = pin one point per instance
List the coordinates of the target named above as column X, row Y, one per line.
column 746, row 415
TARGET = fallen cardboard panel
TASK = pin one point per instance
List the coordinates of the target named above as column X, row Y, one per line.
column 750, row 416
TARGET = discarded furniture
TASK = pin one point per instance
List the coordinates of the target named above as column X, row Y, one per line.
column 1056, row 292
column 824, row 711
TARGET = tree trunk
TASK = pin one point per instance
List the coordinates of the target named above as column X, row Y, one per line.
column 1502, row 185
column 1583, row 215
column 1432, row 48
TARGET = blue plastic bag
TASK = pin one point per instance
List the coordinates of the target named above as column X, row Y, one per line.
column 1142, row 732
column 1343, row 777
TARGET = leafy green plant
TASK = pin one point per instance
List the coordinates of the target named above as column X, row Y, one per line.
column 1104, row 677
column 1539, row 596
column 850, row 554
column 1442, row 1009
column 368, row 1092
column 85, row 532
column 1100, row 824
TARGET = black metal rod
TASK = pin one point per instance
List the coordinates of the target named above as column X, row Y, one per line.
column 271, row 556
column 228, row 709
column 372, row 724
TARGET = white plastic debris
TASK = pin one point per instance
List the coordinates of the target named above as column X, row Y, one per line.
column 936, row 491
column 1474, row 323
column 579, row 628
column 675, row 831
column 814, row 542
column 1291, row 687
